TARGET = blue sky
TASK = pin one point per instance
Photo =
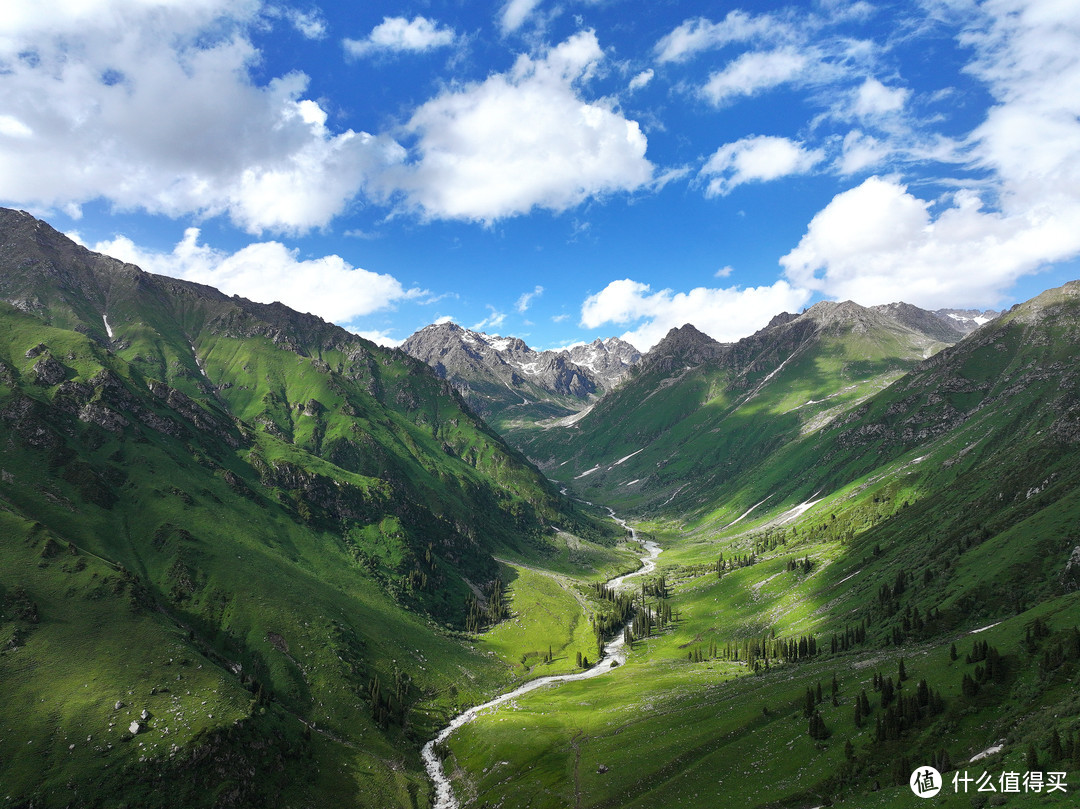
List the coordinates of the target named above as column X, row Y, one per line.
column 557, row 171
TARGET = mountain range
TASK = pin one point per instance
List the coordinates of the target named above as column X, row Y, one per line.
column 505, row 381
column 251, row 559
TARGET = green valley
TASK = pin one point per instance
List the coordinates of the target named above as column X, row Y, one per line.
column 251, row 559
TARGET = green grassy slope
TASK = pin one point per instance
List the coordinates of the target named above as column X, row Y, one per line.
column 697, row 417
column 945, row 514
column 294, row 513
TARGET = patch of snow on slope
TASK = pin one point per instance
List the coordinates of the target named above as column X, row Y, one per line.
column 628, row 457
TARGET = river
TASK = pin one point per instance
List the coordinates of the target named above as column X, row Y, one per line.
column 612, row 655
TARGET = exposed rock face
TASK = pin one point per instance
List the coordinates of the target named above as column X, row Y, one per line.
column 49, row 371
column 1070, row 577
column 965, row 320
column 609, row 361
column 485, row 368
column 683, row 347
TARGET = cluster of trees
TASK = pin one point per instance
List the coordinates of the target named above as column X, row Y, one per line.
column 816, row 727
column 994, row 670
column 763, row 651
column 479, row 617
column 390, row 706
column 722, row 564
column 851, row 636
column 1059, row 650
column 806, row 565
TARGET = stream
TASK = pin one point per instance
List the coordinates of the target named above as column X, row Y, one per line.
column 613, row 655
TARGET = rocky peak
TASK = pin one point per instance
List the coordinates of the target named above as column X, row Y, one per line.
column 944, row 329
column 684, row 346
column 966, row 321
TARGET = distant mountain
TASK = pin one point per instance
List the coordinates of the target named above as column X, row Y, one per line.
column 504, row 380
column 966, row 320
column 246, row 522
column 696, row 412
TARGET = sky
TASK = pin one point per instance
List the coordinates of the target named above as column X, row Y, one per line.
column 556, row 170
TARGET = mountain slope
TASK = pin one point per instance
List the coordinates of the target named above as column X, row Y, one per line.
column 894, row 589
column 697, row 413
column 238, row 518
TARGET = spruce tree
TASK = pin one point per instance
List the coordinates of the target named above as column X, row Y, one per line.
column 1056, row 752
column 1032, row 763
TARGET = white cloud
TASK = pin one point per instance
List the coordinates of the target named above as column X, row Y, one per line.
column 381, row 338
column 521, row 140
column 756, row 158
column 878, row 242
column 753, row 72
column 152, row 105
column 860, row 151
column 526, row 299
column 493, row 321
column 397, row 35
column 700, row 34
column 310, row 24
column 12, row 127
column 724, row 272
column 265, row 272
column 641, row 79
column 874, row 98
column 514, row 14
column 723, row 314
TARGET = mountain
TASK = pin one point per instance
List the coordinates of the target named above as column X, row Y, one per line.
column 505, row 381
column 844, row 599
column 966, row 320
column 235, row 537
column 696, row 413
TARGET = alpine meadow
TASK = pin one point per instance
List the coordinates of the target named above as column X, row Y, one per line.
column 539, row 404
column 252, row 559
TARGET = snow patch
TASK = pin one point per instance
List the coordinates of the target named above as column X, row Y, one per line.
column 586, row 473
column 793, row 514
column 108, row 328
column 628, row 457
column 983, row 628
column 632, row 482
column 989, row 751
column 746, row 512
column 198, row 361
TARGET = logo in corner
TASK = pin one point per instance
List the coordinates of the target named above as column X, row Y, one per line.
column 925, row 782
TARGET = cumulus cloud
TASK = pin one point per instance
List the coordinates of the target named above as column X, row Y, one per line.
column 878, row 242
column 874, row 98
column 860, row 151
column 700, row 34
column 329, row 286
column 153, row 106
column 397, row 35
column 521, row 140
column 723, row 314
column 754, row 72
column 754, row 159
